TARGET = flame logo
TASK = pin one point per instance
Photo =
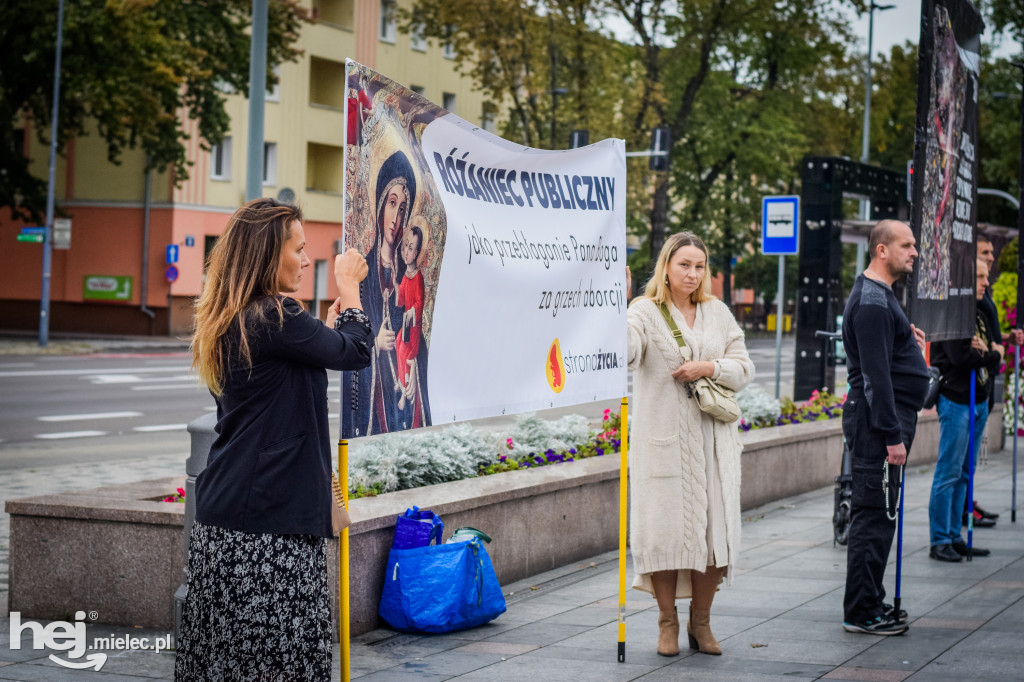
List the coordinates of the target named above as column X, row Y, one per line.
column 555, row 367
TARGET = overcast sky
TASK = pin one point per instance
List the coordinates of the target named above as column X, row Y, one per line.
column 892, row 27
column 902, row 23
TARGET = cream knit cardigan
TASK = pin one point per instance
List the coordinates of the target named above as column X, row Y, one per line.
column 668, row 501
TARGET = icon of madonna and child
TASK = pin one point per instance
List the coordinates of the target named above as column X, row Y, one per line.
column 391, row 394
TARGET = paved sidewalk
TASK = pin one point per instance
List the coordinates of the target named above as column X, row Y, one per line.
column 780, row 620
column 64, row 343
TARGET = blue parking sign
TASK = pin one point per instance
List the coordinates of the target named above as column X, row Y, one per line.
column 780, row 220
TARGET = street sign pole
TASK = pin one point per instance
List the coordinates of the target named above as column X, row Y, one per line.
column 44, row 294
column 780, row 237
column 778, row 325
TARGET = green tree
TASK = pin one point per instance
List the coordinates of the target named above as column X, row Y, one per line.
column 761, row 273
column 746, row 135
column 129, row 66
column 999, row 146
column 1008, row 16
column 540, row 58
column 745, row 88
column 893, row 108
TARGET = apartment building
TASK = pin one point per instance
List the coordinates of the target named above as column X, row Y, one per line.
column 110, row 270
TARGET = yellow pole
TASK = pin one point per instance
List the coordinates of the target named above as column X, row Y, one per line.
column 343, row 577
column 623, row 478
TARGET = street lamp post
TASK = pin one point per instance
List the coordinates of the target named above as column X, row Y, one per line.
column 866, row 137
column 51, row 190
column 865, row 141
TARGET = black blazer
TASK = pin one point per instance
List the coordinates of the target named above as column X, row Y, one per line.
column 269, row 469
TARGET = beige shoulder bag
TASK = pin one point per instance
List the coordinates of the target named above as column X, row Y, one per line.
column 716, row 400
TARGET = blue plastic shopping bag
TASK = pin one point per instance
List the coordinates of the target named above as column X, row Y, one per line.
column 440, row 588
column 417, row 528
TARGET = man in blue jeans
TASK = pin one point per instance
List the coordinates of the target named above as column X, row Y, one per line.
column 957, row 359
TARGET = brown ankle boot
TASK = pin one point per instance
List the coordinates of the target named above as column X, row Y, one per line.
column 668, row 633
column 699, row 631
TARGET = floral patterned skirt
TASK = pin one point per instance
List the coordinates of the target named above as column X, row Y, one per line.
column 257, row 609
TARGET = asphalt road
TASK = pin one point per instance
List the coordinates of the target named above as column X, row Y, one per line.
column 61, row 409
column 121, row 406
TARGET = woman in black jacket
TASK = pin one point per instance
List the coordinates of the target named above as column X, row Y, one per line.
column 258, row 604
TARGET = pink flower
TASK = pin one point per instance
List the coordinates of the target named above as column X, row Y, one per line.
column 606, row 413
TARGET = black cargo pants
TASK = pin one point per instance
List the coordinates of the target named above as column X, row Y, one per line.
column 871, row 531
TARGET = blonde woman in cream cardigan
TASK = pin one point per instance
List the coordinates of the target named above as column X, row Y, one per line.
column 684, row 466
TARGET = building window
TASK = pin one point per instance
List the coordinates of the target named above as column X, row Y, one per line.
column 448, row 47
column 324, row 168
column 326, row 83
column 388, row 21
column 209, row 241
column 488, row 118
column 448, row 101
column 336, row 12
column 274, row 93
column 220, row 160
column 418, row 89
column 418, row 38
column 270, row 163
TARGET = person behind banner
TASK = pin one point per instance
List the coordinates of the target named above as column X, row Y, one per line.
column 407, row 344
column 957, row 359
column 987, row 306
column 369, row 398
column 258, row 604
column 888, row 380
column 684, row 465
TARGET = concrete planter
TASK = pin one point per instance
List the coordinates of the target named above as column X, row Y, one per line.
column 118, row 551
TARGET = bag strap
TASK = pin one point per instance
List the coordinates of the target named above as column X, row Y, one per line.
column 678, row 335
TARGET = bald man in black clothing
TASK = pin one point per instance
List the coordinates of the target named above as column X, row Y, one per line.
column 888, row 380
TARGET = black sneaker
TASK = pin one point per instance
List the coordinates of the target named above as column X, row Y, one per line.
column 887, row 612
column 883, row 625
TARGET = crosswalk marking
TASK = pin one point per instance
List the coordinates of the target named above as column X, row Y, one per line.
column 161, row 387
column 70, row 434
column 92, row 415
column 160, row 427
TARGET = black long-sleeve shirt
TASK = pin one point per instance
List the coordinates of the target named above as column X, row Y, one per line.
column 955, row 359
column 884, row 362
column 269, row 469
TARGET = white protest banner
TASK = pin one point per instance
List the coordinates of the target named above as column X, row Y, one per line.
column 497, row 271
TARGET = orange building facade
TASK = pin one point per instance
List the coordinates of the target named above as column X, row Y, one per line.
column 103, row 282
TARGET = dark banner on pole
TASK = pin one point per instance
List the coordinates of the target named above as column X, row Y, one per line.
column 944, row 214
